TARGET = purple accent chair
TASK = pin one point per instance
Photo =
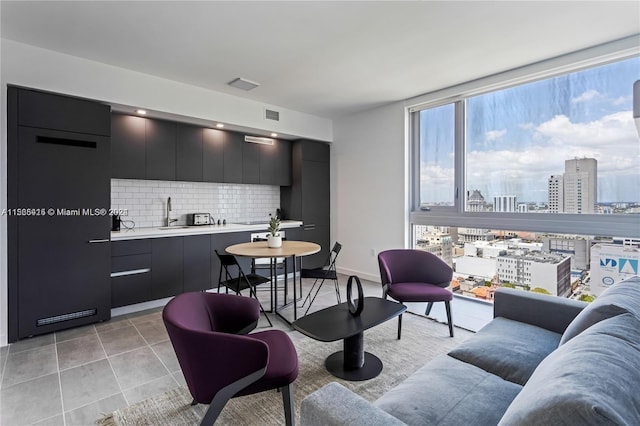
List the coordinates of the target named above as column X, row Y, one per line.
column 416, row 276
column 219, row 360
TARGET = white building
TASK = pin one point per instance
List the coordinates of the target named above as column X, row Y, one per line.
column 575, row 246
column 551, row 272
column 611, row 263
column 555, row 190
column 505, row 203
column 580, row 185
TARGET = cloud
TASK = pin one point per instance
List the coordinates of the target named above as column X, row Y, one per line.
column 493, row 135
column 586, row 96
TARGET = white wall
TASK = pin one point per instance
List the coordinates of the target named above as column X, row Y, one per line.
column 29, row 66
column 369, row 206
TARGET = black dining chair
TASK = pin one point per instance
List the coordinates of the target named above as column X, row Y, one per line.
column 326, row 272
column 241, row 281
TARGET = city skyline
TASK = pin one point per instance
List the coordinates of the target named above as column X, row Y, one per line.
column 518, row 137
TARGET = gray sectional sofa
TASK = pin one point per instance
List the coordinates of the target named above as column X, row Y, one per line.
column 541, row 361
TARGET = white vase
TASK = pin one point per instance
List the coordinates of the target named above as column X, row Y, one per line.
column 274, row 242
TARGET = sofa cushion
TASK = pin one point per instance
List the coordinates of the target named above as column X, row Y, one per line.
column 591, row 380
column 449, row 392
column 509, row 349
column 618, row 299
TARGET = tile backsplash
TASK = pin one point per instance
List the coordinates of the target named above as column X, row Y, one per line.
column 145, row 201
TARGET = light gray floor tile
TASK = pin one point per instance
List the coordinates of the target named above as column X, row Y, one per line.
column 153, row 331
column 179, row 378
column 87, row 383
column 150, row 389
column 74, row 333
column 137, row 367
column 57, row 420
column 88, row 414
column 167, row 355
column 32, row 342
column 121, row 340
column 113, row 324
column 72, row 353
column 30, row 401
column 27, row 365
column 154, row 315
column 4, row 352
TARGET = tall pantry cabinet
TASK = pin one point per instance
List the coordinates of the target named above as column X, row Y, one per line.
column 58, row 190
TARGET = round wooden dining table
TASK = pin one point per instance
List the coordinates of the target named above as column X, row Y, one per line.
column 289, row 248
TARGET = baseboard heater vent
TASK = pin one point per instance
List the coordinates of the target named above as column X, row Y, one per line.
column 270, row 114
column 66, row 317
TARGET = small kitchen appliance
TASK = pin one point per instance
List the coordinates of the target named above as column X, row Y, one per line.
column 197, row 219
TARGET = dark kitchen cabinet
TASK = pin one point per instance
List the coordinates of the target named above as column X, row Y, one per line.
column 166, row 267
column 128, row 147
column 130, row 272
column 213, row 144
column 58, row 253
column 160, row 138
column 233, row 164
column 220, row 242
column 308, row 197
column 189, row 153
column 275, row 163
column 251, row 153
column 197, row 263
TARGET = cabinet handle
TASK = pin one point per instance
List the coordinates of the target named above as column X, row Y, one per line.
column 310, row 227
column 106, row 240
column 131, row 272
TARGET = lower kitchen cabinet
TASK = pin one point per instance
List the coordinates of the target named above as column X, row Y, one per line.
column 130, row 272
column 197, row 263
column 220, row 242
column 166, row 267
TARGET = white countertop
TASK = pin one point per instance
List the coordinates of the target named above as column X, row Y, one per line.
column 181, row 230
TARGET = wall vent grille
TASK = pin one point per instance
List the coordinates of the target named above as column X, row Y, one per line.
column 270, row 114
column 66, row 317
column 258, row 139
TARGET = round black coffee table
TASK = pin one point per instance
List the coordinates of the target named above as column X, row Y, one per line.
column 336, row 322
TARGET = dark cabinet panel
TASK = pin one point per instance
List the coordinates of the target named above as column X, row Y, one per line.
column 166, row 267
column 315, row 193
column 189, row 153
column 213, row 158
column 275, row 163
column 233, row 164
column 314, row 151
column 61, row 256
column 131, row 276
column 160, row 149
column 319, row 235
column 57, row 112
column 197, row 262
column 125, row 248
column 128, row 147
column 251, row 163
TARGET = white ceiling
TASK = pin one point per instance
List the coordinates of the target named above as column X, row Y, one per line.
column 323, row 58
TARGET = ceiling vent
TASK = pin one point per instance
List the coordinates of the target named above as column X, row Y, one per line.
column 258, row 139
column 243, row 84
column 270, row 114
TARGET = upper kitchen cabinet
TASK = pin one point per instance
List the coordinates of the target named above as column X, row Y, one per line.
column 213, row 144
column 128, row 150
column 233, row 150
column 275, row 163
column 189, row 154
column 251, row 163
column 160, row 149
column 50, row 111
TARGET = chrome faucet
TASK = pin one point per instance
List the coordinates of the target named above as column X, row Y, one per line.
column 169, row 220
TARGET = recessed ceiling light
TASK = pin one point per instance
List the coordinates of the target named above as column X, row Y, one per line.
column 141, row 112
column 274, row 135
column 243, row 84
column 219, row 125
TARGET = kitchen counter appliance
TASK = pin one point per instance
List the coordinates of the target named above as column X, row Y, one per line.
column 198, row 219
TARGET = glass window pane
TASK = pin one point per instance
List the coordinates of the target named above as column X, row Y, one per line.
column 562, row 145
column 437, row 143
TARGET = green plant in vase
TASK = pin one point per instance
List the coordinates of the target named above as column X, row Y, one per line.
column 274, row 240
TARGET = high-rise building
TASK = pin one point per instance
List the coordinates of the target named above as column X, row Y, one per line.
column 504, row 203
column 576, row 191
column 555, row 190
column 475, row 201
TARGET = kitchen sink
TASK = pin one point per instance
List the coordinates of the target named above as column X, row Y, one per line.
column 167, row 228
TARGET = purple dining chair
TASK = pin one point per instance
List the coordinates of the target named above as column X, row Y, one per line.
column 219, row 360
column 416, row 276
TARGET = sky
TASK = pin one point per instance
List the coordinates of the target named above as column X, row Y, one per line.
column 518, row 137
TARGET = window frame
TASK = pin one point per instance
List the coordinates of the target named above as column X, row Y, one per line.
column 621, row 225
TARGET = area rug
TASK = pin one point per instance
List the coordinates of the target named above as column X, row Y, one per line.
column 422, row 340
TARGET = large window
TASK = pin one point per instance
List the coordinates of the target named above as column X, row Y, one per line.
column 557, row 158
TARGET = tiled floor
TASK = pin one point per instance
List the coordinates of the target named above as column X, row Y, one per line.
column 74, row 376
